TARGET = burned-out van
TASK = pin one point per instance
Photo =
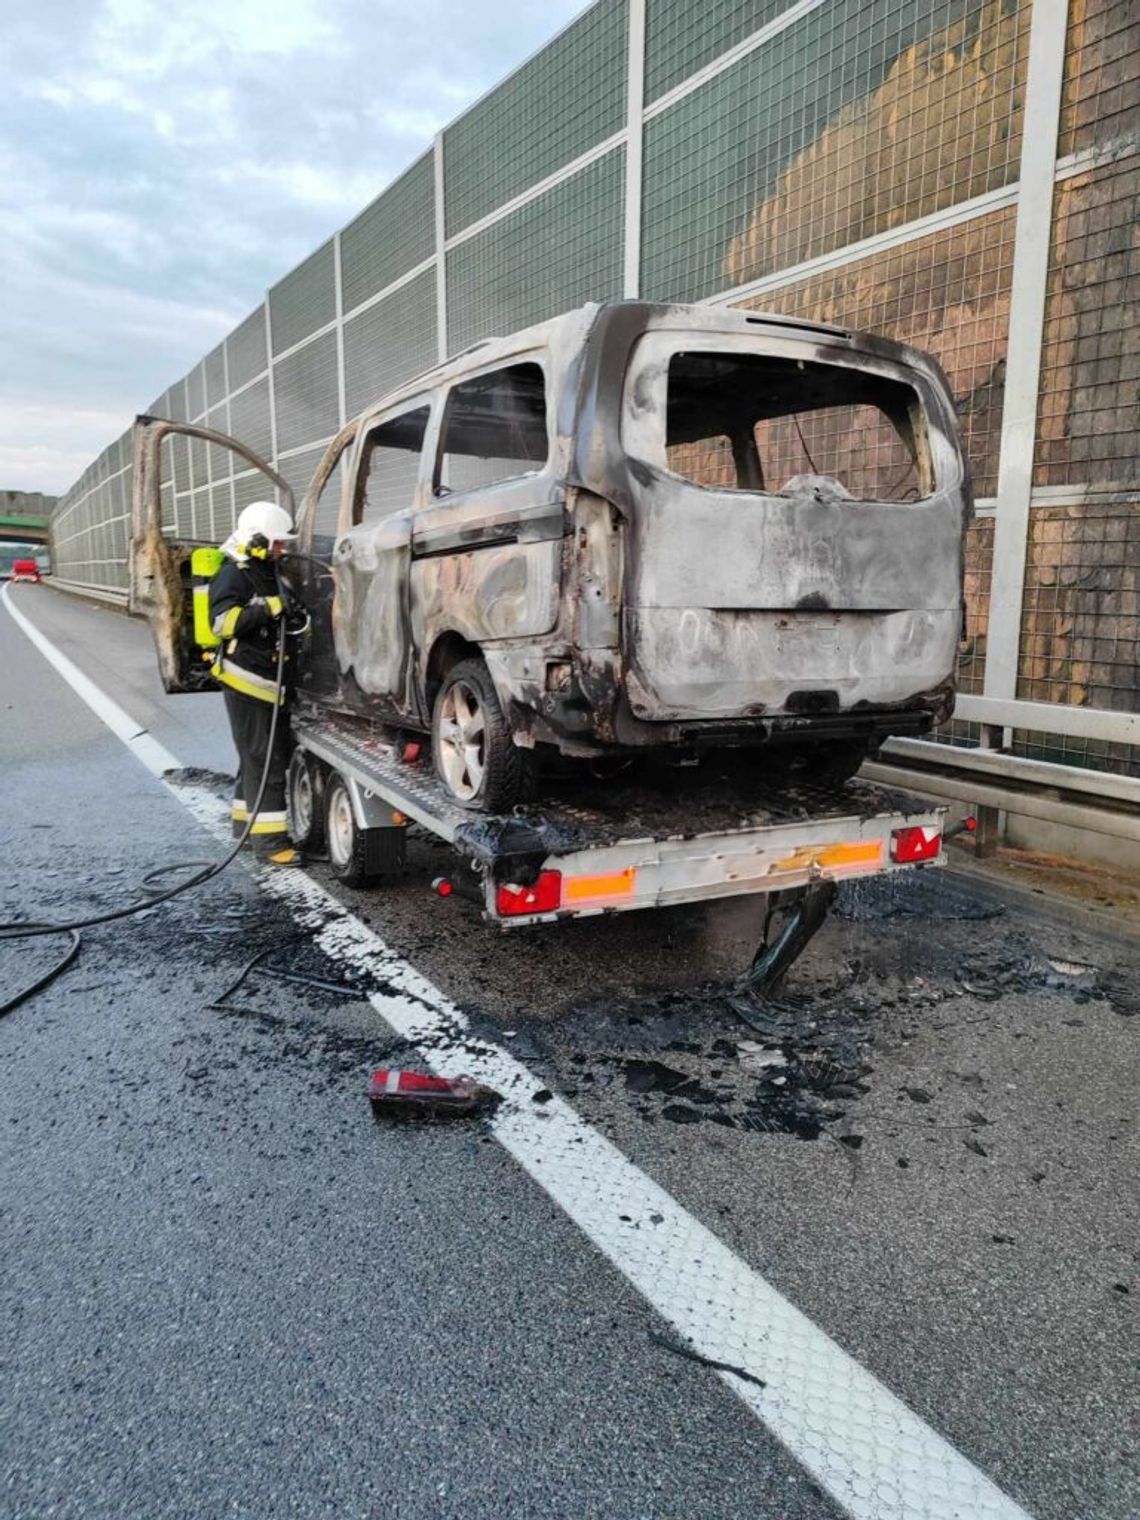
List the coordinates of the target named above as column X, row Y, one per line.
column 642, row 527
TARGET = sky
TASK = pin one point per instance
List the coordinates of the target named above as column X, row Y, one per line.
column 162, row 163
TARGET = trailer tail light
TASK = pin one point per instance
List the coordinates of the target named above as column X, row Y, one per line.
column 920, row 843
column 545, row 896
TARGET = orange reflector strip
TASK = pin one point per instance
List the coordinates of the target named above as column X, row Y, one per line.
column 583, row 888
column 864, row 852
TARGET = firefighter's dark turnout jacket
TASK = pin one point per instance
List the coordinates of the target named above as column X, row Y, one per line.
column 243, row 603
column 244, row 613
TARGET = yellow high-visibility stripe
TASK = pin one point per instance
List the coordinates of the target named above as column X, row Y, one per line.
column 269, row 824
column 239, row 812
column 247, row 684
column 225, row 624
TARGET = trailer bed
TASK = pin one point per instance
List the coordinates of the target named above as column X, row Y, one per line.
column 650, row 837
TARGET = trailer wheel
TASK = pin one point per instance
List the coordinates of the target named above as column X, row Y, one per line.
column 305, row 802
column 474, row 755
column 358, row 856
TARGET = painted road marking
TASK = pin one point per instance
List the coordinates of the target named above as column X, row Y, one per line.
column 871, row 1453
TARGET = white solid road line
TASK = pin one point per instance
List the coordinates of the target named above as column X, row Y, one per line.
column 872, row 1454
column 140, row 743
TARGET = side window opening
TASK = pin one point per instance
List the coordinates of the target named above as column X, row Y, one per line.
column 756, row 422
column 391, row 466
column 494, row 429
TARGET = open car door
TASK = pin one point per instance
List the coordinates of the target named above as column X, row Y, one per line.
column 161, row 572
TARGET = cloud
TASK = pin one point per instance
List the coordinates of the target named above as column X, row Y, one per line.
column 163, row 165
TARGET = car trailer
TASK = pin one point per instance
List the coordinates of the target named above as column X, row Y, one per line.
column 608, row 846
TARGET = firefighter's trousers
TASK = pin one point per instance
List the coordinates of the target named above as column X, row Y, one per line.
column 250, row 720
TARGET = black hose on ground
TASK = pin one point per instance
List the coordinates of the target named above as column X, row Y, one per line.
column 208, row 870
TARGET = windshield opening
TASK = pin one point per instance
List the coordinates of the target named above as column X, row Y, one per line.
column 754, row 422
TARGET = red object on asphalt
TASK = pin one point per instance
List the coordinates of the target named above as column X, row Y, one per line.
column 394, row 1089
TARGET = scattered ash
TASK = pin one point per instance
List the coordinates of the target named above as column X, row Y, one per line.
column 932, row 894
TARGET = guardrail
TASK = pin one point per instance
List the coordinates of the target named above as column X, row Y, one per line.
column 991, row 779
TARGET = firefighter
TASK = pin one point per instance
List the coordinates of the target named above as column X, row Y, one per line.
column 246, row 609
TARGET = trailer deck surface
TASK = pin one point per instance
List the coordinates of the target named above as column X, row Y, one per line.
column 718, row 798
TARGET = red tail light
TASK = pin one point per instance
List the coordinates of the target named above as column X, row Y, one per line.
column 545, row 896
column 921, row 843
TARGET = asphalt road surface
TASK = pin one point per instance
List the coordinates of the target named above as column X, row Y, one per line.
column 227, row 1290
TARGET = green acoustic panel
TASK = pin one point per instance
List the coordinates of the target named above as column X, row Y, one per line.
column 304, row 300
column 393, row 235
column 682, row 37
column 250, row 487
column 196, row 393
column 562, row 102
column 245, row 349
column 298, row 470
column 221, row 512
column 553, row 254
column 216, row 375
column 714, row 160
column 306, row 394
column 389, row 342
column 221, row 459
column 174, row 403
column 250, row 421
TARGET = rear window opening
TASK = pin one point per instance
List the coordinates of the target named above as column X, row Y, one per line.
column 790, row 427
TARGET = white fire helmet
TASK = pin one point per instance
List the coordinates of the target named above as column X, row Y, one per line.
column 266, row 518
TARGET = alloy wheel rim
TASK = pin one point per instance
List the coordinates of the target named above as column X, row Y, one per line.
column 462, row 740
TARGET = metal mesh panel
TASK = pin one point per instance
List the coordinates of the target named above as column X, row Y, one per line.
column 393, row 235
column 979, row 570
column 390, row 342
column 681, row 37
column 199, row 464
column 1090, row 370
column 174, row 403
column 328, row 504
column 567, row 98
column 305, row 299
column 220, row 459
column 195, row 393
column 1080, row 625
column 1090, row 754
column 1101, row 101
column 305, row 392
column 221, row 512
column 201, row 527
column 298, row 470
column 216, row 375
column 249, row 487
column 949, row 294
column 557, row 252
column 250, row 421
column 857, row 118
column 245, row 349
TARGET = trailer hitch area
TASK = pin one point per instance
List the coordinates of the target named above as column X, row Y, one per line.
column 791, row 919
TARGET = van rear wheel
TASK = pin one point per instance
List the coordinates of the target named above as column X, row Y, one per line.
column 475, row 757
